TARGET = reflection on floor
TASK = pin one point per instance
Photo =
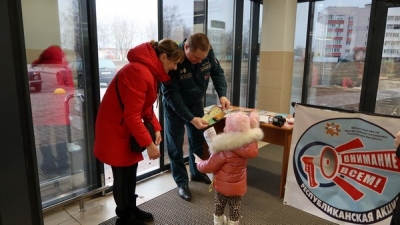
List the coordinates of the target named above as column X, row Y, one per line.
column 101, row 209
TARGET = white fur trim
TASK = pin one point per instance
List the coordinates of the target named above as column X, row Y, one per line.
column 232, row 140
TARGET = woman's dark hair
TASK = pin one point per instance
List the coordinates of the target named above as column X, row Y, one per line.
column 170, row 48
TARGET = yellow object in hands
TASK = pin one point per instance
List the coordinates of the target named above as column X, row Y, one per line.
column 210, row 188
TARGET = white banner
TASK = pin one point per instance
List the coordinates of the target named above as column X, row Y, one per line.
column 343, row 166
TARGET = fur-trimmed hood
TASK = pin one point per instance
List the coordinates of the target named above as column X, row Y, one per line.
column 233, row 140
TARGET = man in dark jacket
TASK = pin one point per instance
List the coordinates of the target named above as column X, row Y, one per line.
column 183, row 104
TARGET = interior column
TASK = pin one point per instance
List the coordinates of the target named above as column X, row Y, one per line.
column 276, row 55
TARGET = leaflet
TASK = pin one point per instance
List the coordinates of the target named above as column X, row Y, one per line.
column 214, row 115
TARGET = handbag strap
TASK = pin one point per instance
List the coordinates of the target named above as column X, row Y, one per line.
column 119, row 97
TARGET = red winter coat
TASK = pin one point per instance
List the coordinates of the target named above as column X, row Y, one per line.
column 138, row 88
column 228, row 160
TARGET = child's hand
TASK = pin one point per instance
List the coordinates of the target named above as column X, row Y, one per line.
column 197, row 159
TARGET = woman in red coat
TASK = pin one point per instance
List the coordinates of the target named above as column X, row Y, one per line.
column 228, row 161
column 149, row 63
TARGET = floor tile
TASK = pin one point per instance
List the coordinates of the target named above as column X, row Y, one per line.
column 57, row 217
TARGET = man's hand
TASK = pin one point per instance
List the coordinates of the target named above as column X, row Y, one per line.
column 153, row 151
column 397, row 139
column 199, row 123
column 225, row 103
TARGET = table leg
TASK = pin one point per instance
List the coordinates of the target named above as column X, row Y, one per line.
column 285, row 162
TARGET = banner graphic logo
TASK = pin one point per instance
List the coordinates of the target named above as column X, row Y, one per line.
column 346, row 167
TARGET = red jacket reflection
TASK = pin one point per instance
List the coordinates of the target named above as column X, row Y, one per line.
column 138, row 88
column 228, row 160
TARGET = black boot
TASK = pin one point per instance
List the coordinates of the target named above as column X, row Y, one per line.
column 126, row 217
column 130, row 221
column 142, row 215
column 201, row 177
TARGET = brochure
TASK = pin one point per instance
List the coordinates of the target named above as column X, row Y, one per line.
column 209, row 134
column 214, row 115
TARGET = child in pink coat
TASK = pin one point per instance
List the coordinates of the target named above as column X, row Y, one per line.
column 228, row 161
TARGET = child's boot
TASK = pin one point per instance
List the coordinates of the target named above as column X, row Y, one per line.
column 220, row 220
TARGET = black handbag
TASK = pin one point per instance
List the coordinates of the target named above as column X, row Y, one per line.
column 134, row 145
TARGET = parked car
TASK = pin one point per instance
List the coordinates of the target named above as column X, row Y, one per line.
column 73, row 73
column 107, row 70
column 35, row 79
column 343, row 60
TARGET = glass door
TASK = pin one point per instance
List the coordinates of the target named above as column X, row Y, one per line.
column 220, row 32
column 349, row 63
column 57, row 52
column 337, row 51
column 121, row 25
column 388, row 97
column 181, row 18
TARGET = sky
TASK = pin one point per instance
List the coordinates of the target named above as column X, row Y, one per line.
column 144, row 11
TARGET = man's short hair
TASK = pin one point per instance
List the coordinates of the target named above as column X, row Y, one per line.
column 198, row 41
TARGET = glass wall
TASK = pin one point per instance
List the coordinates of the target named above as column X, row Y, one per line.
column 258, row 51
column 55, row 39
column 388, row 97
column 121, row 25
column 180, row 19
column 220, row 32
column 179, row 22
column 66, row 83
column 64, row 78
column 338, row 48
column 336, row 74
column 245, row 54
column 299, row 53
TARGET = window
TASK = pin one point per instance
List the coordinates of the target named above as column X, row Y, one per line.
column 339, row 17
column 118, row 30
column 299, row 54
column 66, row 164
column 220, row 28
column 331, row 67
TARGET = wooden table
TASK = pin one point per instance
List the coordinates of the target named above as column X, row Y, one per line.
column 274, row 135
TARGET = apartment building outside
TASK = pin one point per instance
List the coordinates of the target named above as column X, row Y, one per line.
column 341, row 33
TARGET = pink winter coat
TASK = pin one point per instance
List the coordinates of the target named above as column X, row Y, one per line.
column 228, row 160
column 138, row 86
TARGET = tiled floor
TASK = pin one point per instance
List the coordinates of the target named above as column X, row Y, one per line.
column 101, row 209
